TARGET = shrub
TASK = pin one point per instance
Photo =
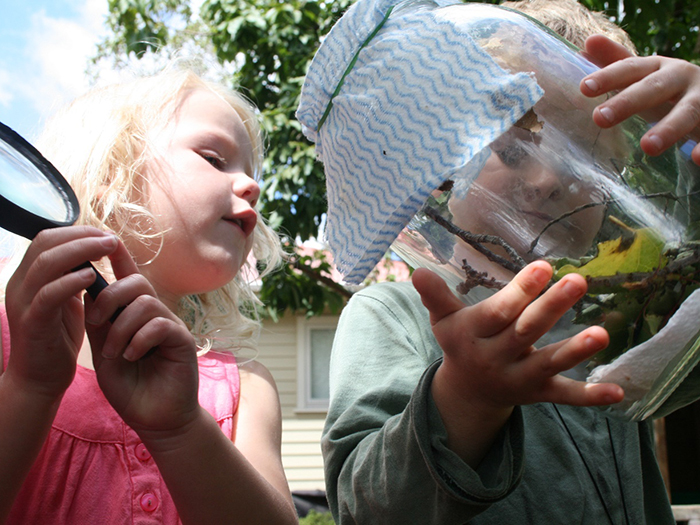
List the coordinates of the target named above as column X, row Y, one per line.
column 317, row 518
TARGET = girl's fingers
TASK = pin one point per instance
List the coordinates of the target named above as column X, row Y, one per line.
column 52, row 263
column 140, row 312
column 52, row 296
column 51, row 238
column 118, row 295
column 499, row 311
column 123, row 264
column 158, row 332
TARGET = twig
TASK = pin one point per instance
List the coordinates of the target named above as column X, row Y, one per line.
column 606, row 203
column 563, row 216
column 476, row 278
column 477, row 240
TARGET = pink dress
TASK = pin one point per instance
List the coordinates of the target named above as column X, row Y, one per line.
column 93, row 469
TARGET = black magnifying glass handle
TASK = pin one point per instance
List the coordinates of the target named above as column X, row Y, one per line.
column 95, row 288
column 100, row 283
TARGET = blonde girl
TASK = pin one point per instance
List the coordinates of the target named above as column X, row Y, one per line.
column 150, row 418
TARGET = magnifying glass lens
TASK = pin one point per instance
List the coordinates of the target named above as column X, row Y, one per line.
column 22, row 184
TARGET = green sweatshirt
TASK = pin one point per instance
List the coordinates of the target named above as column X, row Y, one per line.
column 384, row 449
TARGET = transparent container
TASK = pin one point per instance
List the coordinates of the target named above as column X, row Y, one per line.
column 588, row 200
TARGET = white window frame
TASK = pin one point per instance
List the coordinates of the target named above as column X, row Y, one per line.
column 304, row 328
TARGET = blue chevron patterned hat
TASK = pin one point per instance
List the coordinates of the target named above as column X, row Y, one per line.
column 397, row 99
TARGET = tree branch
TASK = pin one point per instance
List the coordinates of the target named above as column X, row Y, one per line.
column 477, row 240
column 318, row 277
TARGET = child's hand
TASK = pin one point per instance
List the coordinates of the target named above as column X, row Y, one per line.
column 145, row 360
column 489, row 363
column 488, row 346
column 661, row 89
column 44, row 309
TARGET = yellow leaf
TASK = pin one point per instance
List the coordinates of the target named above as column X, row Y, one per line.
column 639, row 251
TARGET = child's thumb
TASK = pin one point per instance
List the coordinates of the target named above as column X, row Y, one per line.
column 435, row 295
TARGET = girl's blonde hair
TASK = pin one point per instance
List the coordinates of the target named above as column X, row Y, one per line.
column 100, row 144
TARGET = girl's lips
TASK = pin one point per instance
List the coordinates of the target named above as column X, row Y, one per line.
column 245, row 220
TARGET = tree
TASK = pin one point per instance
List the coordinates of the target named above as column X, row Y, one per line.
column 270, row 43
column 662, row 27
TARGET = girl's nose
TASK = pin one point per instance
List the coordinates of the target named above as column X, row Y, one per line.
column 542, row 183
column 246, row 188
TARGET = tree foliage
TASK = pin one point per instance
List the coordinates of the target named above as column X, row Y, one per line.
column 271, row 43
column 662, row 27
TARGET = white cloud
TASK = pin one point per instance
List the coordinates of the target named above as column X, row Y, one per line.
column 59, row 50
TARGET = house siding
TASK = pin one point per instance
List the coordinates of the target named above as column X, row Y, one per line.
column 301, row 431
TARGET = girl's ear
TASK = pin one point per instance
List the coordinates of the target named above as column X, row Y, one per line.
column 96, row 201
column 100, row 192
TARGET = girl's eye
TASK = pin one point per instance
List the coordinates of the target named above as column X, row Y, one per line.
column 214, row 160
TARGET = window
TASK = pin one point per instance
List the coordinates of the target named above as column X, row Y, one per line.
column 314, row 342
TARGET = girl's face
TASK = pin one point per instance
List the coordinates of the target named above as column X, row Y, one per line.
column 201, row 190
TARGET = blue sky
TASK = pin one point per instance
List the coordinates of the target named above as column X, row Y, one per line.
column 45, row 46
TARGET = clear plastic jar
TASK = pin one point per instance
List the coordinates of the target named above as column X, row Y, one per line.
column 588, row 200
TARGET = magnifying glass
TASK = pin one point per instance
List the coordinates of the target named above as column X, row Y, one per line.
column 34, row 196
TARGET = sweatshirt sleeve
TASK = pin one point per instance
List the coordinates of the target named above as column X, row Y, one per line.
column 384, row 444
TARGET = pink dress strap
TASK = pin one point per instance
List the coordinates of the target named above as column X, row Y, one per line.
column 5, row 328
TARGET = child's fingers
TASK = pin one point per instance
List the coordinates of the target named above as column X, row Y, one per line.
column 559, row 357
column 696, row 154
column 565, row 391
column 602, row 51
column 118, row 295
column 140, row 312
column 53, row 237
column 643, row 86
column 622, row 74
column 435, row 295
column 159, row 332
column 123, row 264
column 500, row 310
column 54, row 262
column 543, row 313
column 52, row 296
column 678, row 125
column 546, row 364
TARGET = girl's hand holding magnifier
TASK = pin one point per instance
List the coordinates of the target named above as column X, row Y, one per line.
column 44, row 307
column 145, row 359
